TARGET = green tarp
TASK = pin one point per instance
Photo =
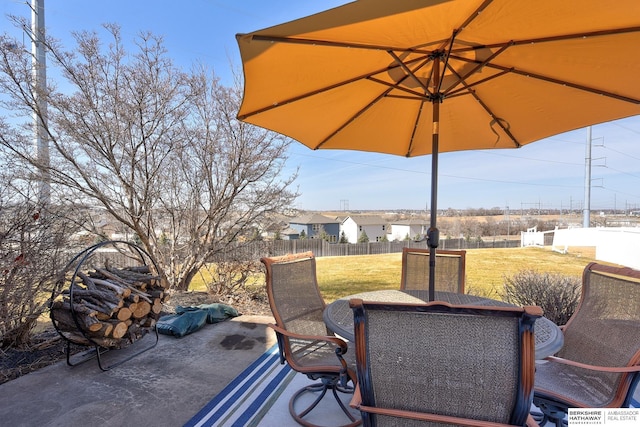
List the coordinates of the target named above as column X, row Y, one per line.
column 190, row 319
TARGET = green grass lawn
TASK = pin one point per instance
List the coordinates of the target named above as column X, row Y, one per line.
column 485, row 269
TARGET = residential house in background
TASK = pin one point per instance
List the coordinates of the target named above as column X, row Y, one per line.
column 375, row 227
column 313, row 226
column 279, row 230
column 289, row 234
column 414, row 228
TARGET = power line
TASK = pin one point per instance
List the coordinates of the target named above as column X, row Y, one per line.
column 442, row 174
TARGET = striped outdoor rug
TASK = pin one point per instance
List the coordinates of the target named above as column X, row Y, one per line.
column 635, row 399
column 259, row 397
column 246, row 400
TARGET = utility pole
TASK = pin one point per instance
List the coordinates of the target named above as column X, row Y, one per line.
column 586, row 213
column 39, row 62
column 508, row 222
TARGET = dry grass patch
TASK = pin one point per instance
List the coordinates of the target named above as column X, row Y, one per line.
column 486, row 269
column 341, row 276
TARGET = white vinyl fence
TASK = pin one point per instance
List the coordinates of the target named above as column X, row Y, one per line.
column 619, row 245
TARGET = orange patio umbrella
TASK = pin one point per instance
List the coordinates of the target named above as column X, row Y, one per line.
column 418, row 77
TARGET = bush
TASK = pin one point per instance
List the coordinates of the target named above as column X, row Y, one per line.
column 230, row 276
column 558, row 295
column 481, row 291
column 32, row 251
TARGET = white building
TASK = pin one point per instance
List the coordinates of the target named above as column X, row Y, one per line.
column 374, row 227
column 415, row 229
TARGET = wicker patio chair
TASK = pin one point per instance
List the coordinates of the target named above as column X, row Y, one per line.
column 599, row 364
column 437, row 364
column 304, row 341
column 450, row 270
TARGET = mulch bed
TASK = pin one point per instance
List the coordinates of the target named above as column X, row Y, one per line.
column 48, row 347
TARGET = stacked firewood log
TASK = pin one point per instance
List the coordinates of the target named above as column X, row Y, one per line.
column 109, row 307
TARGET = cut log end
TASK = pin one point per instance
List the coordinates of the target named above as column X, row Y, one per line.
column 108, row 307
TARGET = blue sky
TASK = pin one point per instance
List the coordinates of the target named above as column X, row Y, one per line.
column 548, row 174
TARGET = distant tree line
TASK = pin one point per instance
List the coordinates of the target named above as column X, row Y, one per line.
column 470, row 228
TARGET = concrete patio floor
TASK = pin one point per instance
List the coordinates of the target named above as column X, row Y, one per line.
column 164, row 386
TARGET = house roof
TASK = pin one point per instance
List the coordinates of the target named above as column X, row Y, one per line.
column 275, row 226
column 367, row 220
column 289, row 232
column 313, row 219
column 410, row 222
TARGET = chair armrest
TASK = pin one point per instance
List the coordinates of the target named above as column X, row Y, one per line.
column 620, row 369
column 531, row 422
column 424, row 416
column 341, row 347
column 356, row 403
column 356, row 399
column 334, row 340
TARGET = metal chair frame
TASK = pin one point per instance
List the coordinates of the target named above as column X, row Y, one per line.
column 316, row 342
column 601, row 350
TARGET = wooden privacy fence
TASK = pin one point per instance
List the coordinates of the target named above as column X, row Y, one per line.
column 253, row 251
column 321, row 248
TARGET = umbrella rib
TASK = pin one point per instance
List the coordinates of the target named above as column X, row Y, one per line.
column 291, row 40
column 573, row 36
column 565, row 83
column 576, row 36
column 321, row 90
column 415, row 129
column 464, row 90
column 417, row 95
column 477, row 66
column 351, row 119
column 504, row 70
column 409, row 71
column 447, row 55
column 475, row 14
column 495, row 118
column 318, row 42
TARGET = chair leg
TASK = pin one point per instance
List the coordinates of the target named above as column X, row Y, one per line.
column 549, row 413
column 321, row 389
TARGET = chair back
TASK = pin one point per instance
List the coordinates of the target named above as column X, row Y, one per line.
column 605, row 328
column 438, row 360
column 304, row 340
column 294, row 296
column 450, row 270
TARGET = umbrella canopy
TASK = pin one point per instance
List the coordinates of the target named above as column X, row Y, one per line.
column 416, row 77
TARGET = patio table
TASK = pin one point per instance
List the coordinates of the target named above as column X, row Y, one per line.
column 339, row 317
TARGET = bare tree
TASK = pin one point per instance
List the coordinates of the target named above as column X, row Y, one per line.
column 158, row 148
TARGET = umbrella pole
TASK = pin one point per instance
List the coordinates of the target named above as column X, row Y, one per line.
column 433, row 235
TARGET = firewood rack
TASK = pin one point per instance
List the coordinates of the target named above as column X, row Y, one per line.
column 99, row 257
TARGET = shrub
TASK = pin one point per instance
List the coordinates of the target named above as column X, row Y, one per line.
column 558, row 295
column 230, row 276
column 483, row 292
column 32, row 251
